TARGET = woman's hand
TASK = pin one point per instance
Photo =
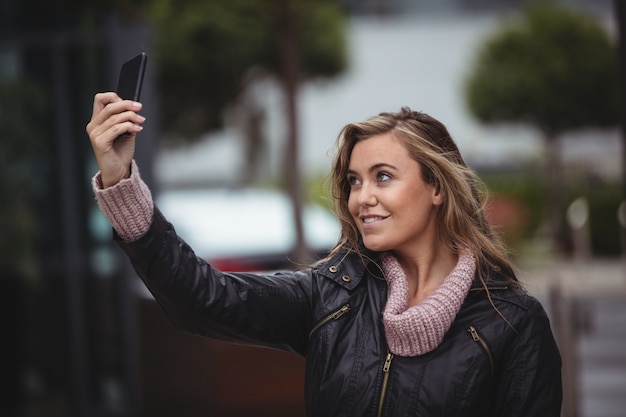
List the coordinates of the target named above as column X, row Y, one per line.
column 112, row 130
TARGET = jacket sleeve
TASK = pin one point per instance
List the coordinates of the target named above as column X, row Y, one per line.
column 531, row 376
column 259, row 309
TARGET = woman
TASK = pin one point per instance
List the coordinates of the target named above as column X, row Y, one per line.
column 417, row 310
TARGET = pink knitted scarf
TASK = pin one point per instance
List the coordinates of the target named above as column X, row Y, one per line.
column 421, row 328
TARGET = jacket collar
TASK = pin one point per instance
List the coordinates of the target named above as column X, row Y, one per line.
column 347, row 266
column 494, row 280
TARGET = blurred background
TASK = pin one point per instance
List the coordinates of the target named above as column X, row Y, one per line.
column 244, row 101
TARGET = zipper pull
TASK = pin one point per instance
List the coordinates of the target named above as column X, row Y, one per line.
column 474, row 333
column 476, row 338
column 387, row 364
column 341, row 312
column 333, row 316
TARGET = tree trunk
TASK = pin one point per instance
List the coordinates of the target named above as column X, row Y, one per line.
column 289, row 27
column 554, row 192
column 252, row 119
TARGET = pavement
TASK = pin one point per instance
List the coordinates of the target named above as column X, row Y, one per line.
column 586, row 301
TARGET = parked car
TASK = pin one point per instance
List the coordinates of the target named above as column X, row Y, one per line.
column 245, row 229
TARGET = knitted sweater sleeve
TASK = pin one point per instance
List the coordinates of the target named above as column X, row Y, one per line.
column 127, row 205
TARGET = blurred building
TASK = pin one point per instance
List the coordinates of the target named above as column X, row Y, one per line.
column 69, row 328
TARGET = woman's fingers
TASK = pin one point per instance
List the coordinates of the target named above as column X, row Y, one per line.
column 105, row 129
column 112, row 118
column 101, row 100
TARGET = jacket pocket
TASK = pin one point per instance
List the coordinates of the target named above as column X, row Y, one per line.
column 331, row 317
column 476, row 337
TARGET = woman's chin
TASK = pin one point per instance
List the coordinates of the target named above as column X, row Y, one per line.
column 375, row 245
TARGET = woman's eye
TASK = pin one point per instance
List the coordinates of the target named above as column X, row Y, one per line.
column 353, row 181
column 382, row 176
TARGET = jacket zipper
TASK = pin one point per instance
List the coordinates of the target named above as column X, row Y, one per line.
column 476, row 337
column 386, row 367
column 333, row 316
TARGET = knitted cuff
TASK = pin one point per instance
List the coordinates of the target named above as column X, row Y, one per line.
column 127, row 205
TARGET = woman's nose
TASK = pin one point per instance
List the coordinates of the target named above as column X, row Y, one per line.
column 367, row 196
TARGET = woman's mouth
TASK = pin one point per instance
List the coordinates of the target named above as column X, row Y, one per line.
column 372, row 219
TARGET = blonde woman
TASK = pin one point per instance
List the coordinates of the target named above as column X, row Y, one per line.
column 417, row 311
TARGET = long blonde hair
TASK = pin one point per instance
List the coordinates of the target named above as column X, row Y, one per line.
column 461, row 219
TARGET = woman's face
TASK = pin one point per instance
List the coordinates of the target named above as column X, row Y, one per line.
column 393, row 208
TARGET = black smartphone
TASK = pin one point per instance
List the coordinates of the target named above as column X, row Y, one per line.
column 131, row 77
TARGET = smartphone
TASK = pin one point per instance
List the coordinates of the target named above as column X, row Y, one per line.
column 131, row 77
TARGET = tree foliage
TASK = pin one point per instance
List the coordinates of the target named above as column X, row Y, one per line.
column 209, row 49
column 553, row 68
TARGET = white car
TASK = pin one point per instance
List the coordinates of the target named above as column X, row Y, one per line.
column 245, row 229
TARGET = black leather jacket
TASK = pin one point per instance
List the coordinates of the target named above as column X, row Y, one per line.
column 332, row 315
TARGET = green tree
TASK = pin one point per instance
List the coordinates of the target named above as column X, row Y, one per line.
column 552, row 68
column 209, row 51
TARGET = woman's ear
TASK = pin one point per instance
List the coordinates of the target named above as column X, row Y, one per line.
column 438, row 196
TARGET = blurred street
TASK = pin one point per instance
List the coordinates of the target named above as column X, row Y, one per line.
column 592, row 335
